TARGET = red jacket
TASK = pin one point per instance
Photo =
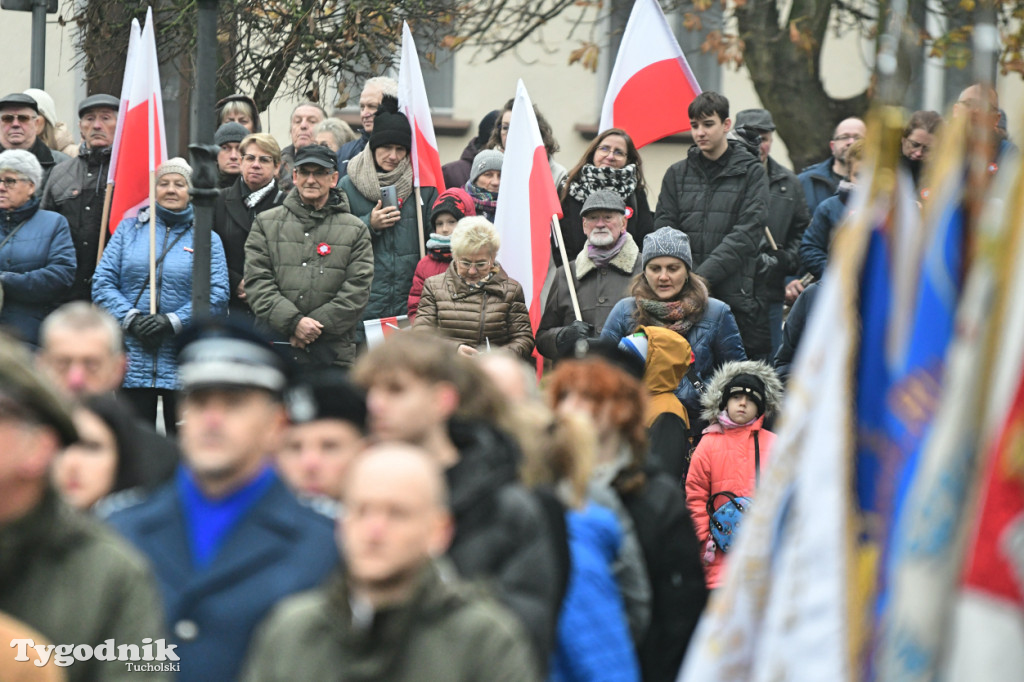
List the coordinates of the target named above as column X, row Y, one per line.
column 723, row 460
column 427, row 267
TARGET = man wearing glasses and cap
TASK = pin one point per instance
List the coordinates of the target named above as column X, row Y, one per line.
column 20, row 126
column 77, row 187
column 309, row 265
column 226, row 537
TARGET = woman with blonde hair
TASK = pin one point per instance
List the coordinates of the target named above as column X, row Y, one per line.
column 474, row 302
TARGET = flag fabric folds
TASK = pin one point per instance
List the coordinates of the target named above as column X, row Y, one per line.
column 651, row 85
column 134, row 37
column 379, row 329
column 142, row 145
column 412, row 100
column 526, row 204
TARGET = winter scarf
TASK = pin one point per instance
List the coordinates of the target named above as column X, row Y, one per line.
column 486, row 202
column 678, row 316
column 13, row 217
column 723, row 419
column 368, row 180
column 602, row 255
column 620, row 180
column 257, row 195
column 440, row 248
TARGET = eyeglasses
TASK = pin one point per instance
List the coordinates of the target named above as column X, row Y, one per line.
column 617, row 153
column 847, row 138
column 474, row 265
column 318, row 173
column 8, row 119
column 917, row 146
column 263, row 160
column 11, row 182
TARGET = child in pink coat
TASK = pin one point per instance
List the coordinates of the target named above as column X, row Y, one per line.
column 451, row 206
column 734, row 448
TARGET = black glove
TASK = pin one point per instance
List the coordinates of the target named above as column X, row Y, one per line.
column 566, row 338
column 153, row 329
column 133, row 327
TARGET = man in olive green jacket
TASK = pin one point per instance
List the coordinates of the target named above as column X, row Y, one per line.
column 394, row 614
column 61, row 573
column 309, row 265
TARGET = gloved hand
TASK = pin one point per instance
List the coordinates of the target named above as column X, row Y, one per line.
column 767, row 264
column 153, row 329
column 133, row 328
column 566, row 338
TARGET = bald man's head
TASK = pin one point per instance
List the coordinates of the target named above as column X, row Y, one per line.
column 981, row 103
column 396, row 517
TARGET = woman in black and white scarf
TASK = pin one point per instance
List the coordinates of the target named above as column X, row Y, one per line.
column 610, row 162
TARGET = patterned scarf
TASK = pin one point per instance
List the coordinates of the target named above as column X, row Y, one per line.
column 368, row 180
column 590, row 178
column 486, row 202
column 440, row 248
column 257, row 195
column 678, row 316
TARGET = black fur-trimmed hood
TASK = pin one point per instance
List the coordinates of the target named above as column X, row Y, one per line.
column 772, row 387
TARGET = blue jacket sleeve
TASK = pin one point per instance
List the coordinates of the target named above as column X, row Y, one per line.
column 219, row 291
column 106, row 282
column 53, row 278
column 727, row 344
column 814, row 247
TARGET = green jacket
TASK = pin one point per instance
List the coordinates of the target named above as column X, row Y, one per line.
column 287, row 278
column 396, row 250
column 444, row 632
column 76, row 582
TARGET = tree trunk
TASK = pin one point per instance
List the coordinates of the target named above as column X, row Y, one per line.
column 787, row 77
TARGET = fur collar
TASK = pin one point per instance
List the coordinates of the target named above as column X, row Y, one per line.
column 624, row 260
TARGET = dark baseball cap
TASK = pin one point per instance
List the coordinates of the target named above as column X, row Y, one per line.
column 316, row 154
column 19, row 99
column 604, row 200
column 97, row 101
column 755, row 119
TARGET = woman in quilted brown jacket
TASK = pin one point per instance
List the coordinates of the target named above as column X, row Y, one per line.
column 474, row 302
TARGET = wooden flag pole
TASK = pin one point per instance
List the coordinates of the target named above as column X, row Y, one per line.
column 557, row 231
column 419, row 222
column 771, row 239
column 152, row 242
column 103, row 222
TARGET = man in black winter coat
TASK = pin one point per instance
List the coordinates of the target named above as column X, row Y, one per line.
column 787, row 219
column 718, row 196
column 421, row 392
column 253, row 192
column 77, row 187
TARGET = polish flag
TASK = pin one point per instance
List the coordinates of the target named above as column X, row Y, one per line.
column 142, row 145
column 126, row 85
column 379, row 329
column 412, row 101
column 526, row 204
column 651, row 84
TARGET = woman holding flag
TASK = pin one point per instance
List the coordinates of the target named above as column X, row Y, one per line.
column 122, row 286
column 611, row 162
column 383, row 171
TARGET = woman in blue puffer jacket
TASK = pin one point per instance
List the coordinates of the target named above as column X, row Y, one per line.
column 667, row 294
column 121, row 285
column 37, row 257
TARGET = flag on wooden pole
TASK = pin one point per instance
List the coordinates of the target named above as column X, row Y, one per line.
column 142, row 128
column 651, row 84
column 526, row 203
column 412, row 101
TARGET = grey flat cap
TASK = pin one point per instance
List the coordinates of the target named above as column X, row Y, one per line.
column 756, row 119
column 19, row 99
column 97, row 101
column 603, row 200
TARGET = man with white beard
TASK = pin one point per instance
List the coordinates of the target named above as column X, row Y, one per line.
column 601, row 273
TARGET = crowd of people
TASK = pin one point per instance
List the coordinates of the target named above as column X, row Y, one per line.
column 268, row 494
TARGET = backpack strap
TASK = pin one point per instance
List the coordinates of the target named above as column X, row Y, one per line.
column 757, row 460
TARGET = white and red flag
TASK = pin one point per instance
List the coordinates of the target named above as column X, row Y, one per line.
column 412, row 101
column 134, row 37
column 140, row 143
column 651, row 84
column 526, row 204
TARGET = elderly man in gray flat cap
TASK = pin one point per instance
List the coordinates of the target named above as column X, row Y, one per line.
column 77, row 187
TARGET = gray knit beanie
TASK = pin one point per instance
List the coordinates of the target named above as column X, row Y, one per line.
column 487, row 160
column 176, row 165
column 668, row 241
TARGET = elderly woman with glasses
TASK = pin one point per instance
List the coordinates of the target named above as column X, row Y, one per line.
column 37, row 256
column 474, row 302
column 611, row 162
